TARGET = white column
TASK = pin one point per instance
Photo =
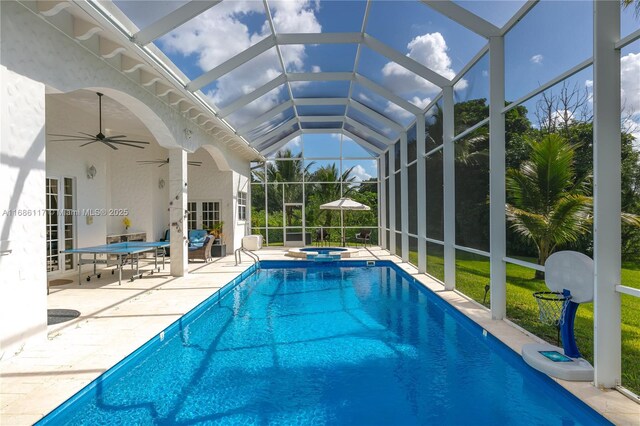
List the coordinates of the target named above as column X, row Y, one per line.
column 392, row 199
column 421, row 189
column 23, row 256
column 178, row 211
column 497, row 198
column 382, row 202
column 404, row 197
column 607, row 200
column 449, row 183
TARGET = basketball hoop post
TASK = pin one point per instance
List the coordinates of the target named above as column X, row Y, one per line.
column 567, row 328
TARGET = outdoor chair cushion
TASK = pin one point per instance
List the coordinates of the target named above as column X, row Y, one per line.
column 197, row 237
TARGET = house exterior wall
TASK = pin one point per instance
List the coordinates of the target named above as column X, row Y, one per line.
column 23, row 277
column 36, row 58
column 120, row 182
column 208, row 182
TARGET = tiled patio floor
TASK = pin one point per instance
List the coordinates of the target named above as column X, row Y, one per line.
column 115, row 320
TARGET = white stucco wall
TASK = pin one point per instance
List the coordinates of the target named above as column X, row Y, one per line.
column 135, row 187
column 120, row 182
column 34, row 49
column 35, row 56
column 23, row 280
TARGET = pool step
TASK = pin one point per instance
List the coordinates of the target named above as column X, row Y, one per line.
column 323, row 257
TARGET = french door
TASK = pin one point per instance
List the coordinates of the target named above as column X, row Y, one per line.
column 203, row 214
column 60, row 223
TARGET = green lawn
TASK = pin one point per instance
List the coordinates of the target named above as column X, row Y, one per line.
column 472, row 274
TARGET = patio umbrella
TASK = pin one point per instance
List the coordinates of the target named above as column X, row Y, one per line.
column 343, row 204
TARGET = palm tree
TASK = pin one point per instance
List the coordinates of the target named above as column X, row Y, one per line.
column 330, row 188
column 290, row 170
column 549, row 207
column 635, row 3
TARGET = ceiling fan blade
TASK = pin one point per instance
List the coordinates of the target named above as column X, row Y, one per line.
column 108, row 144
column 127, row 140
column 93, row 141
column 70, row 140
column 149, row 162
column 195, row 163
column 90, row 135
column 126, row 144
column 163, row 163
column 116, row 137
column 71, row 136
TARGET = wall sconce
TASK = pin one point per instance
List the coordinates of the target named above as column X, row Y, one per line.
column 161, row 183
column 91, row 172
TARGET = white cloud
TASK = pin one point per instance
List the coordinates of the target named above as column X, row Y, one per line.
column 536, row 59
column 360, row 173
column 395, row 111
column 316, row 68
column 295, row 142
column 364, row 97
column 431, row 51
column 630, row 83
column 630, row 91
column 589, row 85
column 559, row 118
column 219, row 34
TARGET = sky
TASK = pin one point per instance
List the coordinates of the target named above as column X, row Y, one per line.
column 553, row 37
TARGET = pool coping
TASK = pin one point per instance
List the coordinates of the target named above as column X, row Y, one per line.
column 612, row 410
column 344, row 252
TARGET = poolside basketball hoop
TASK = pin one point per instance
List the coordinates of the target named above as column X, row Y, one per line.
column 569, row 277
column 551, row 305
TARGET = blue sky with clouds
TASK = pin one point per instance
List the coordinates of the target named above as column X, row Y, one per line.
column 553, row 37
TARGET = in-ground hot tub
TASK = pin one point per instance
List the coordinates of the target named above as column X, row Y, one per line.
column 314, row 252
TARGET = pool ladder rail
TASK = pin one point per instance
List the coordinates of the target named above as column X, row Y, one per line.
column 238, row 256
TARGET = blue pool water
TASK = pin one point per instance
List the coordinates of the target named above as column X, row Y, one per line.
column 306, row 343
column 322, row 250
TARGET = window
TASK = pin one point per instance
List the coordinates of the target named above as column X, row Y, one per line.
column 193, row 216
column 242, row 205
column 203, row 214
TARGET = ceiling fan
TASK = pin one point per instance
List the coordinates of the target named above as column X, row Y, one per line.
column 110, row 141
column 163, row 162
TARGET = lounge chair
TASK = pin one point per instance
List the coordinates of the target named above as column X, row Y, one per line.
column 364, row 235
column 203, row 252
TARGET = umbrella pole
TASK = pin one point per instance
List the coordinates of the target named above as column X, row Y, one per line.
column 342, row 225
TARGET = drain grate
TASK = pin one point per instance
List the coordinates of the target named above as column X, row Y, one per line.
column 57, row 316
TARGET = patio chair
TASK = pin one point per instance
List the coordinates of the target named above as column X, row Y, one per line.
column 203, row 252
column 167, row 233
column 364, row 235
column 322, row 236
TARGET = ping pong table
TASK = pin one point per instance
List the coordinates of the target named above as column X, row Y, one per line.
column 124, row 252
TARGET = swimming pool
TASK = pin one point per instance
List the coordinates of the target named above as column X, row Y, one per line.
column 341, row 343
